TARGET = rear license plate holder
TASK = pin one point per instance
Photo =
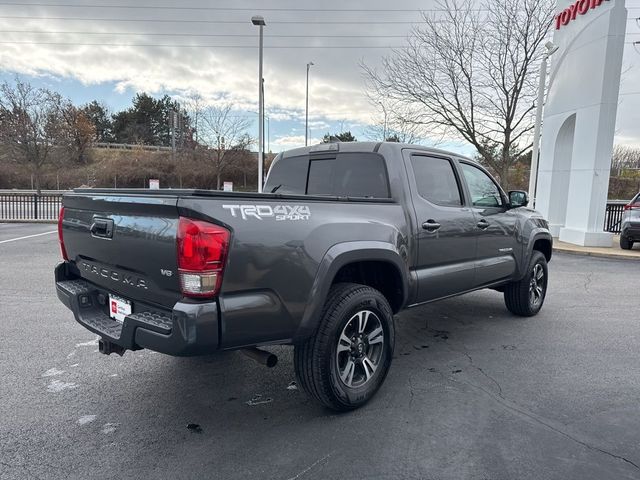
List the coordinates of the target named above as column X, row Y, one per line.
column 119, row 308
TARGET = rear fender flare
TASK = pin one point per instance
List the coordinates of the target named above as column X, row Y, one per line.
column 334, row 259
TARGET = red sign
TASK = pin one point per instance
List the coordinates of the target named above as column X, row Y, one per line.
column 580, row 7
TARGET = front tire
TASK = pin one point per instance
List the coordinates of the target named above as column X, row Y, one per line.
column 525, row 297
column 625, row 243
column 344, row 364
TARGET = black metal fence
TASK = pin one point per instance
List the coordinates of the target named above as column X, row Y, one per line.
column 29, row 205
column 46, row 206
column 613, row 216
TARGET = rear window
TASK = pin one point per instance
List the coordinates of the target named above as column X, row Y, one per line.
column 345, row 175
column 288, row 175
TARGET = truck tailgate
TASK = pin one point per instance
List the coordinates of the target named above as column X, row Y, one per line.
column 125, row 243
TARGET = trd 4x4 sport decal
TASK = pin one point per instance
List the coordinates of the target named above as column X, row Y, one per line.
column 280, row 212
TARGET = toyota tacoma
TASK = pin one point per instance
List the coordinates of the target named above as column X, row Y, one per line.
column 345, row 236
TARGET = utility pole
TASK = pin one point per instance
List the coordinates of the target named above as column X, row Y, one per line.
column 306, row 109
column 263, row 115
column 259, row 21
column 174, row 120
column 533, row 173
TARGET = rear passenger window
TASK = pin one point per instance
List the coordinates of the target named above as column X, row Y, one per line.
column 436, row 180
column 349, row 175
column 288, row 175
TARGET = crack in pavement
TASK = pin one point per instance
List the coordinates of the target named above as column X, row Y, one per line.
column 587, row 281
column 472, row 364
column 493, row 380
column 411, row 392
column 513, row 407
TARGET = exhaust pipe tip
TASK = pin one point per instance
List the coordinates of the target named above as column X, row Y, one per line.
column 272, row 360
column 263, row 357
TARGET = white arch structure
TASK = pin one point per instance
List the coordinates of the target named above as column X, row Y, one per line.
column 579, row 119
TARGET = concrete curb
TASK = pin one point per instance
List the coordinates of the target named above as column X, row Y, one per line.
column 588, row 253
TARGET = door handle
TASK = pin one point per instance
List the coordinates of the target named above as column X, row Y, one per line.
column 483, row 224
column 431, row 225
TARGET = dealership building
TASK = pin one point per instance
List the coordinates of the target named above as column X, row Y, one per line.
column 579, row 119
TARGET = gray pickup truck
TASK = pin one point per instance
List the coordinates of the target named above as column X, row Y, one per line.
column 348, row 235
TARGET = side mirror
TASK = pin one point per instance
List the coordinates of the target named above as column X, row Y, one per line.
column 518, row 198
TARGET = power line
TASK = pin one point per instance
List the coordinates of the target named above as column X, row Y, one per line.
column 172, row 45
column 173, row 34
column 4, row 42
column 222, row 35
column 238, row 9
column 231, row 9
column 229, row 22
column 235, row 22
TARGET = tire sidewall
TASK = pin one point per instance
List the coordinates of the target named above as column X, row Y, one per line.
column 538, row 259
column 375, row 302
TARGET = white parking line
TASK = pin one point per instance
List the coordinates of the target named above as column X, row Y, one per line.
column 28, row 236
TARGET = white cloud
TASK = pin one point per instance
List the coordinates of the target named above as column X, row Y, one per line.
column 218, row 74
column 286, row 142
column 319, row 125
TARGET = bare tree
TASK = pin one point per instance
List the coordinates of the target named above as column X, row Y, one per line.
column 195, row 107
column 31, row 123
column 624, row 157
column 469, row 71
column 80, row 131
column 390, row 124
column 225, row 134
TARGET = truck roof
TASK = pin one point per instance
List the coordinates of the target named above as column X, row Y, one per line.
column 366, row 147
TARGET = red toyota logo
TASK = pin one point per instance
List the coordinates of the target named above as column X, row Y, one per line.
column 580, row 7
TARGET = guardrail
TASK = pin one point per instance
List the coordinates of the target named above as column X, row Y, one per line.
column 30, row 206
column 131, row 146
column 613, row 216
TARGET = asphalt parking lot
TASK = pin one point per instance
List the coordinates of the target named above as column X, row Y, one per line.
column 473, row 393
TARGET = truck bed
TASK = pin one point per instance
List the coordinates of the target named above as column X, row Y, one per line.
column 276, row 249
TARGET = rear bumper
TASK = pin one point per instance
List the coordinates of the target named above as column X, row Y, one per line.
column 187, row 329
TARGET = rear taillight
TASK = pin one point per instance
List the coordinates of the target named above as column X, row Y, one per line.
column 632, row 206
column 202, row 251
column 63, row 250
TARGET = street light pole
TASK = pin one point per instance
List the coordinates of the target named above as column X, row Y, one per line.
column 533, row 174
column 306, row 110
column 259, row 21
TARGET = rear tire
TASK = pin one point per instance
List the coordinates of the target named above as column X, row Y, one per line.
column 625, row 243
column 526, row 297
column 344, row 364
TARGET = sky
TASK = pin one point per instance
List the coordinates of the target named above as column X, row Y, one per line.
column 110, row 49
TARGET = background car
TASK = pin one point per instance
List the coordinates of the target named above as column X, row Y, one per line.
column 630, row 224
